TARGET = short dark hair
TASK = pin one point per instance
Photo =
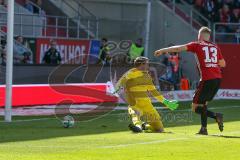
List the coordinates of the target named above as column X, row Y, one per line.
column 104, row 39
column 140, row 60
column 18, row 36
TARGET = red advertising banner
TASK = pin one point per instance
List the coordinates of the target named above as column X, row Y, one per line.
column 231, row 74
column 72, row 51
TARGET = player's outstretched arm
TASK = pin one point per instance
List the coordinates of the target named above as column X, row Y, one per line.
column 173, row 49
column 172, row 105
column 120, row 83
column 123, row 80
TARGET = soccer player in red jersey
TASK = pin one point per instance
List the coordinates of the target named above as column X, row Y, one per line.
column 210, row 60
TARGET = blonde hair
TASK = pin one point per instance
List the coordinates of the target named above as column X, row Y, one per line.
column 205, row 32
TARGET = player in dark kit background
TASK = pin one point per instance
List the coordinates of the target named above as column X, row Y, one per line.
column 210, row 60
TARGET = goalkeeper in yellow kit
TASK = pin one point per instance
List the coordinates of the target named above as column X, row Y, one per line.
column 138, row 86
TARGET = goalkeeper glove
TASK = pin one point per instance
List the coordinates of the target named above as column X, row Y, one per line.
column 172, row 105
column 116, row 91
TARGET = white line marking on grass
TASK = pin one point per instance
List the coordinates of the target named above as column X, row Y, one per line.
column 168, row 140
column 30, row 120
column 223, row 133
column 143, row 143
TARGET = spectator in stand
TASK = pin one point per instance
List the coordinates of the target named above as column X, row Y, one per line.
column 28, row 6
column 224, row 14
column 230, row 3
column 52, row 56
column 104, row 54
column 209, row 9
column 219, row 4
column 174, row 59
column 21, row 53
column 2, row 51
column 168, row 75
column 236, row 3
column 224, row 17
column 38, row 8
column 198, row 5
column 235, row 16
column 224, row 11
column 184, row 84
column 136, row 49
column 3, row 3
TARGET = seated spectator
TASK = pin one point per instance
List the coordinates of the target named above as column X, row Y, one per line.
column 236, row 3
column 224, row 14
column 38, row 8
column 209, row 9
column 230, row 3
column 3, row 3
column 21, row 53
column 219, row 4
column 28, row 6
column 235, row 16
column 52, row 56
column 199, row 5
column 224, row 11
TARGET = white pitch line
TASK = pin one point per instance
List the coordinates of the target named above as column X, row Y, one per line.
column 110, row 146
column 168, row 140
column 144, row 143
column 30, row 120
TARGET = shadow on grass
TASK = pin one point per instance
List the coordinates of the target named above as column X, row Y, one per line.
column 224, row 136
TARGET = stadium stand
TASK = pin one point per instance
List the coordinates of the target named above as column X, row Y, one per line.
column 174, row 22
column 226, row 11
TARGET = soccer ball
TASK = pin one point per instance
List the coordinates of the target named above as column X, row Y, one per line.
column 68, row 121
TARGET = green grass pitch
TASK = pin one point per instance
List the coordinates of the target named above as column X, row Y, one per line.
column 108, row 138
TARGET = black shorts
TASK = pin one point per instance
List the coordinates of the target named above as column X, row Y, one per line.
column 206, row 91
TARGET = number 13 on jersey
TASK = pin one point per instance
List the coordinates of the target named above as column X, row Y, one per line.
column 210, row 54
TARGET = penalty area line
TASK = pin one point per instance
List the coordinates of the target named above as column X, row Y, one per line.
column 30, row 120
column 169, row 140
column 143, row 143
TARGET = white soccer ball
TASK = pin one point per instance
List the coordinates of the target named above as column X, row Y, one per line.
column 68, row 121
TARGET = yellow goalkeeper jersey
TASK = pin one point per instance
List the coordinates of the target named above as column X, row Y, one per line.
column 138, row 85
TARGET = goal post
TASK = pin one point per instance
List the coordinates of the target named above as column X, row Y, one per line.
column 9, row 60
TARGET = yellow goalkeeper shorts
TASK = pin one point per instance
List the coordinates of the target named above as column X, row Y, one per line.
column 143, row 112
